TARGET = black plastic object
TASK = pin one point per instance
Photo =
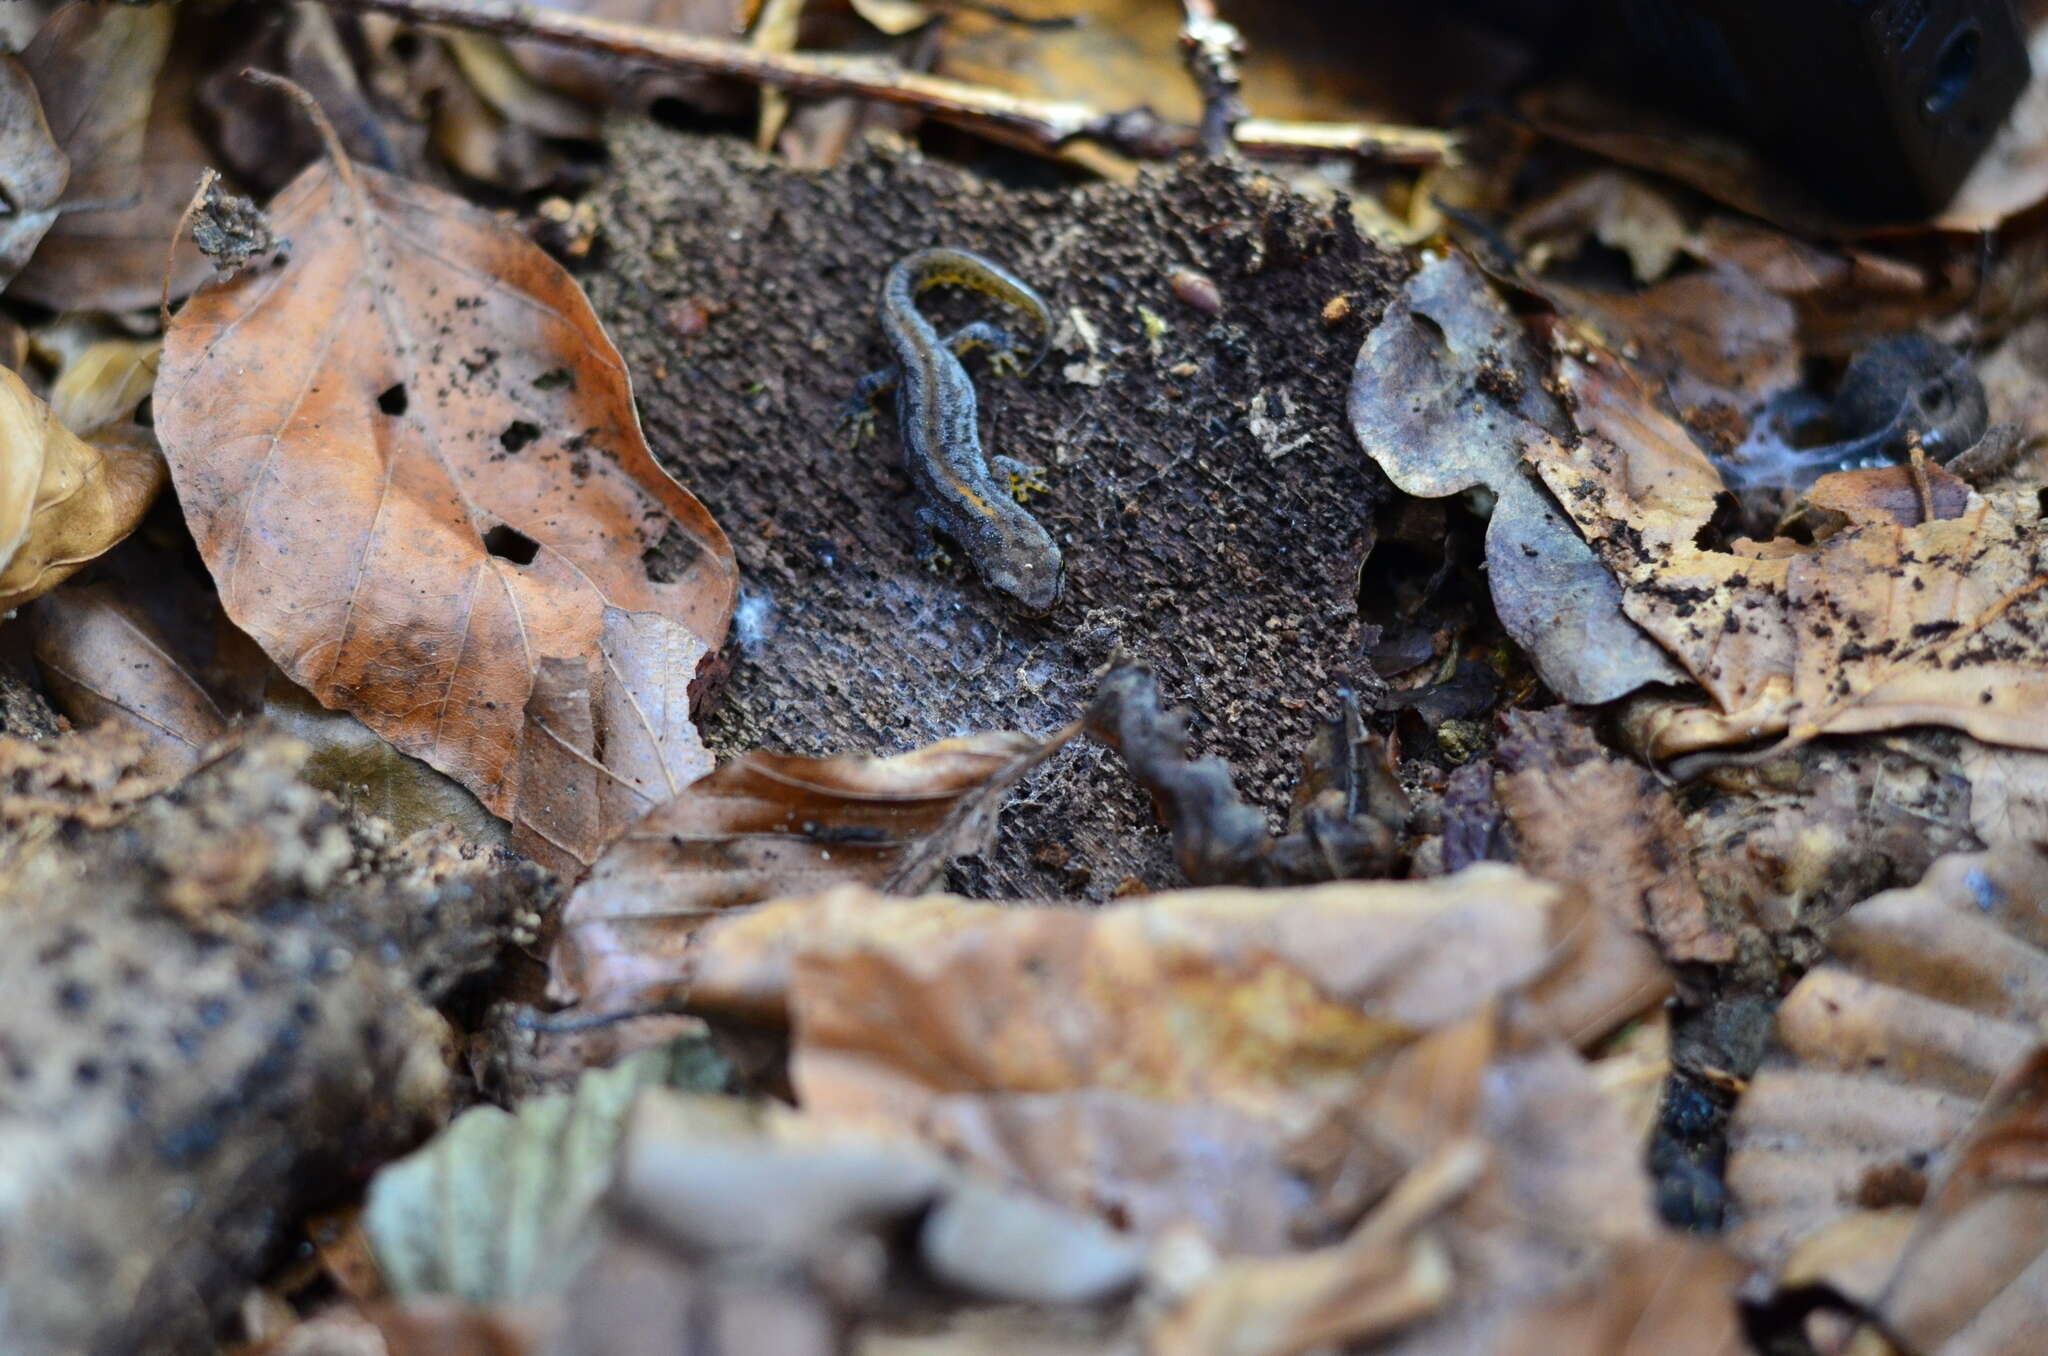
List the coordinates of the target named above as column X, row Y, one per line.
column 1879, row 106
column 1884, row 104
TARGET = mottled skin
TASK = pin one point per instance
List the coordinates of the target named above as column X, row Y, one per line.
column 936, row 409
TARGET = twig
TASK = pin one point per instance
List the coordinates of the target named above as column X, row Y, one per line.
column 1040, row 124
column 1213, row 48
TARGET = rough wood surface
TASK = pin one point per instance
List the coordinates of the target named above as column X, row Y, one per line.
column 1210, row 504
column 217, row 1018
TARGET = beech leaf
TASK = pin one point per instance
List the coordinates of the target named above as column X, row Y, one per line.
column 1884, row 1055
column 773, row 824
column 410, row 459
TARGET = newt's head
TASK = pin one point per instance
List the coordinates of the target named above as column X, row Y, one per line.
column 1030, row 579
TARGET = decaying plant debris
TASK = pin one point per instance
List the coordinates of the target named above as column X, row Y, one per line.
column 1524, row 831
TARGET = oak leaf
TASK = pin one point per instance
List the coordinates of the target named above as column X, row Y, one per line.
column 410, row 459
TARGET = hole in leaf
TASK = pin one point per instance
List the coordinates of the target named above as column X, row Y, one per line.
column 393, row 399
column 2041, row 498
column 518, row 434
column 509, row 543
column 555, row 379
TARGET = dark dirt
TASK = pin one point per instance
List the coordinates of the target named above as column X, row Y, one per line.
column 1211, row 507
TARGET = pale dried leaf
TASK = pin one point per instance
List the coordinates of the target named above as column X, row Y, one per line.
column 122, row 113
column 104, row 384
column 1973, row 1278
column 894, row 17
column 63, row 501
column 1884, row 1054
column 1616, row 209
column 1446, row 393
column 33, row 169
column 419, row 512
column 496, row 1208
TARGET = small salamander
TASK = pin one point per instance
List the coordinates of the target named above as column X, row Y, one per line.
column 936, row 409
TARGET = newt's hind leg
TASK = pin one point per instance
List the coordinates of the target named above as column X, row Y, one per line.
column 931, row 548
column 1002, row 346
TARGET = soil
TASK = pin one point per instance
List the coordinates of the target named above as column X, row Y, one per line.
column 1209, row 502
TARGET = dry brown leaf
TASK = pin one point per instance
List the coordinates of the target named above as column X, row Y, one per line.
column 33, row 169
column 1885, row 1053
column 123, row 114
column 63, row 501
column 106, row 662
column 1877, row 627
column 420, row 509
column 1586, row 818
column 1718, row 340
column 1268, row 1002
column 769, row 825
column 1522, row 1224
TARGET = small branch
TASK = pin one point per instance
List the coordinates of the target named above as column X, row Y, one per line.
column 1213, row 48
column 1039, row 124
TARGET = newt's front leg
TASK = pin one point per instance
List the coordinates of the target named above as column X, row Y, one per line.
column 1005, row 359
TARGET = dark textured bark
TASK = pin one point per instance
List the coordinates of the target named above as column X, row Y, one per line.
column 216, row 1017
column 1210, row 504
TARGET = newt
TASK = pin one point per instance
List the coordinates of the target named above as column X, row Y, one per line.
column 938, row 415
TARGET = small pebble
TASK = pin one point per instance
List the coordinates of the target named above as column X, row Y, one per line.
column 1337, row 309
column 1197, row 290
column 1004, row 1245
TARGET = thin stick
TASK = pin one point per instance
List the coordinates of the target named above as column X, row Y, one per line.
column 1040, row 124
column 1213, row 49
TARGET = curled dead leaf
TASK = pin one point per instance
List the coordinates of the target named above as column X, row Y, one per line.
column 1973, row 1275
column 104, row 383
column 409, row 456
column 63, row 501
column 768, row 825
